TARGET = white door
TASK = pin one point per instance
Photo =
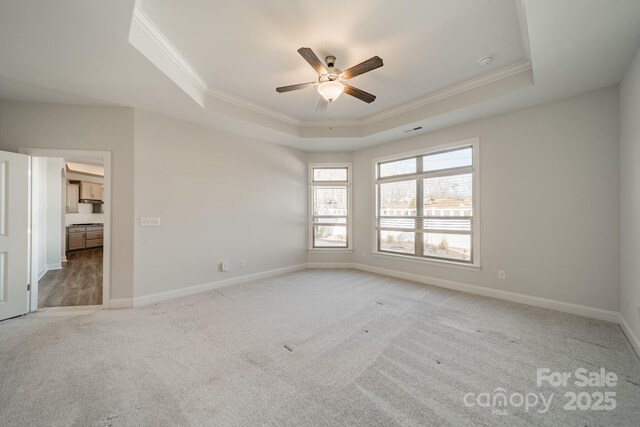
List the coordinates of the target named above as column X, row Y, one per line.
column 14, row 223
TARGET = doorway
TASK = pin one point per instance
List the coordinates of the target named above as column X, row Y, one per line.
column 70, row 229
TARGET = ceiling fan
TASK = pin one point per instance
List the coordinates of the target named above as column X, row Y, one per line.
column 331, row 80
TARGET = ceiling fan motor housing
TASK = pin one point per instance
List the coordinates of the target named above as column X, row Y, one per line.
column 333, row 73
column 330, row 60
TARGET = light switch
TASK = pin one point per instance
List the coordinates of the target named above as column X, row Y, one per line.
column 149, row 221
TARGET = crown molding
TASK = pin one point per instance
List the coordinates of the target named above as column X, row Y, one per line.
column 148, row 26
column 433, row 97
column 142, row 19
column 457, row 89
column 250, row 105
column 144, row 22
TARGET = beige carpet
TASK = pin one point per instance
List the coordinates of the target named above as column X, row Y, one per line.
column 316, row 347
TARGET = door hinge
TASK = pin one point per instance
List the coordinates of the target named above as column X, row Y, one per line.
column 29, row 287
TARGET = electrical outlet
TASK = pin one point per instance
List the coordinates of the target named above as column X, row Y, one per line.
column 225, row 266
column 243, row 263
column 149, row 221
column 502, row 275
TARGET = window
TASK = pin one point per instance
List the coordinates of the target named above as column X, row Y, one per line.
column 426, row 204
column 330, row 206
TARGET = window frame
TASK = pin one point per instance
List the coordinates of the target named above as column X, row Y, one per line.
column 310, row 217
column 474, row 169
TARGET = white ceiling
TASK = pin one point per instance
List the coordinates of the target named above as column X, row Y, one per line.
column 218, row 63
column 248, row 48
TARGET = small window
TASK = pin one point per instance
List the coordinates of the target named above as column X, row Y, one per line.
column 397, row 167
column 330, row 174
column 330, row 207
column 448, row 159
column 425, row 205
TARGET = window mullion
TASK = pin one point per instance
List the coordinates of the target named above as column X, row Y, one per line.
column 419, row 239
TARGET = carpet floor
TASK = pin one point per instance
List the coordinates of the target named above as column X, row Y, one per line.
column 314, row 347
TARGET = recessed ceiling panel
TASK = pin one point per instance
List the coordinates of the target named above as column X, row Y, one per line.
column 248, row 48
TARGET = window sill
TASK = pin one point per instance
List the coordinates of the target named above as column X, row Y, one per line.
column 330, row 250
column 436, row 263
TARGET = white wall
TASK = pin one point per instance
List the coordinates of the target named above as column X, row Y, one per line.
column 39, row 214
column 219, row 197
column 54, row 210
column 549, row 201
column 38, row 125
column 84, row 215
column 630, row 195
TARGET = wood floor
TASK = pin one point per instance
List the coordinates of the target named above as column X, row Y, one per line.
column 79, row 282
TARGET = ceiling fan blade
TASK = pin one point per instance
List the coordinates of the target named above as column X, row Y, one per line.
column 313, row 60
column 295, row 87
column 363, row 67
column 359, row 93
column 322, row 105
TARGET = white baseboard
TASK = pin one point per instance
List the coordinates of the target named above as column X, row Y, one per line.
column 41, row 274
column 177, row 293
column 565, row 307
column 76, row 310
column 54, row 266
column 330, row 265
column 631, row 336
column 118, row 303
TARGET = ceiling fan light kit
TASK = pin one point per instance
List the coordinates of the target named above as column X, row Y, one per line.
column 330, row 90
column 330, row 79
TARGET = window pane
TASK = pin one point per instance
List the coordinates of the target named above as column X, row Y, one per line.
column 448, row 159
column 323, row 220
column 451, row 246
column 399, row 167
column 448, row 196
column 330, row 201
column 453, row 224
column 330, row 236
column 398, row 198
column 397, row 241
column 407, row 223
column 330, row 174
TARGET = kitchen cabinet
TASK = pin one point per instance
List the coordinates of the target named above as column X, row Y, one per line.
column 93, row 236
column 91, row 191
column 75, row 240
column 85, row 236
column 73, row 195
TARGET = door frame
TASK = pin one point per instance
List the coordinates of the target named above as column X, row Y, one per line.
column 104, row 156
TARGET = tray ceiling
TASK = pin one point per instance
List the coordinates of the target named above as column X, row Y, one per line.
column 248, row 48
column 218, row 63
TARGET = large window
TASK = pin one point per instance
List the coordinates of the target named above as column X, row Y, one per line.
column 426, row 204
column 330, row 206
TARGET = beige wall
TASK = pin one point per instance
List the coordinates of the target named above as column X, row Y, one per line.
column 630, row 195
column 219, row 197
column 35, row 125
column 549, row 196
column 549, row 201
